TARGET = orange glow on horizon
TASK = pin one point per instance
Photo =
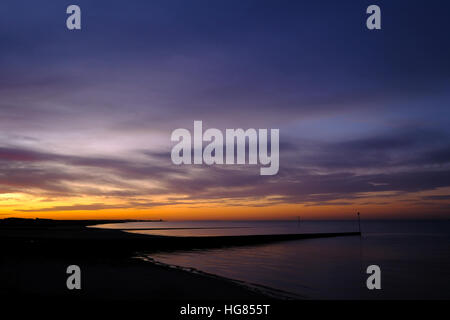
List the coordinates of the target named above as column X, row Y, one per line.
column 372, row 206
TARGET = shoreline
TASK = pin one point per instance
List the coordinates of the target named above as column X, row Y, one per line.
column 258, row 288
column 35, row 257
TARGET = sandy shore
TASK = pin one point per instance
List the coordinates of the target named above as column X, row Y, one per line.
column 35, row 255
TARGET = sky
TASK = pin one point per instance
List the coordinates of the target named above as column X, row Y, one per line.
column 86, row 115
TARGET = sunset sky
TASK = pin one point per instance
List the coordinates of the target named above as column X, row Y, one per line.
column 86, row 116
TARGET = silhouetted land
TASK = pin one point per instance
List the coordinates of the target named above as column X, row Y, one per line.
column 36, row 253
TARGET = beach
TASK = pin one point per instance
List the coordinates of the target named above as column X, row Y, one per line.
column 34, row 262
column 36, row 254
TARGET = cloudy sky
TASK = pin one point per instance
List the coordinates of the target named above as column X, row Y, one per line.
column 86, row 116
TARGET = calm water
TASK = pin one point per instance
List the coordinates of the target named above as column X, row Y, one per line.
column 414, row 257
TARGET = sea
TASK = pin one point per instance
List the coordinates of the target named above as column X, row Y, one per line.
column 413, row 256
